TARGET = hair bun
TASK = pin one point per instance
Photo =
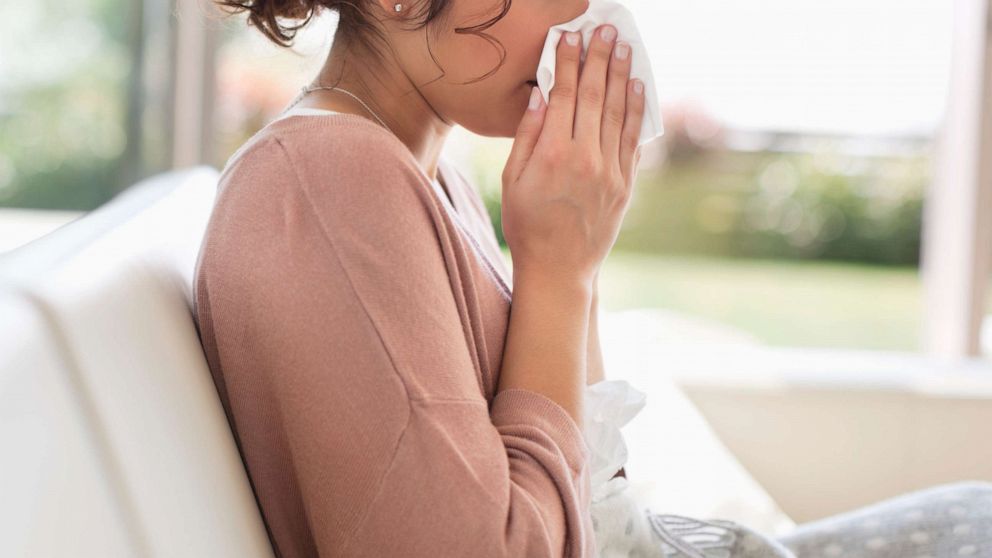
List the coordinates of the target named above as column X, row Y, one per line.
column 263, row 14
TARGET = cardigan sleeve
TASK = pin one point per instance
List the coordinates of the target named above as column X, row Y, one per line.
column 395, row 449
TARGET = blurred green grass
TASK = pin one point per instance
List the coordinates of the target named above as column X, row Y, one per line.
column 784, row 303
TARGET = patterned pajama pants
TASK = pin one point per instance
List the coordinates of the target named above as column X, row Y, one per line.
column 945, row 521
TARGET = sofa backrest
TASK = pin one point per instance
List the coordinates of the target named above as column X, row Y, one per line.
column 108, row 413
column 57, row 497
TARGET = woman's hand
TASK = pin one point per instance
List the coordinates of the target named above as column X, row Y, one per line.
column 568, row 180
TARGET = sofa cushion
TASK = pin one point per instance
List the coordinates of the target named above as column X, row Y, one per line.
column 115, row 287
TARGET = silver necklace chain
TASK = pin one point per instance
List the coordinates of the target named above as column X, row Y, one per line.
column 307, row 89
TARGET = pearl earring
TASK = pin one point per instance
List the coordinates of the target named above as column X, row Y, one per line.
column 398, row 8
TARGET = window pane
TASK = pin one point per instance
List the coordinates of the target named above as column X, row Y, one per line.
column 63, row 101
column 784, row 202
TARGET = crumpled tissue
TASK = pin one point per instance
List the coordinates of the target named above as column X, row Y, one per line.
column 616, row 14
column 609, row 404
column 619, row 518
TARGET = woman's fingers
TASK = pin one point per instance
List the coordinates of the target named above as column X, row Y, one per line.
column 528, row 131
column 592, row 87
column 631, row 134
column 615, row 108
column 561, row 98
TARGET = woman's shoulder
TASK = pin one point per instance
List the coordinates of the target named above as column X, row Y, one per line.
column 344, row 171
column 344, row 150
column 337, row 139
column 312, row 177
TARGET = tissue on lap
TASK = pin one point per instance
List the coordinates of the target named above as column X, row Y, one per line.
column 616, row 14
column 609, row 404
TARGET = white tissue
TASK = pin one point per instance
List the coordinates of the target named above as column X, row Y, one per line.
column 609, row 404
column 616, row 14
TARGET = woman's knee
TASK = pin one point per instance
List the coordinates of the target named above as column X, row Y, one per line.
column 967, row 489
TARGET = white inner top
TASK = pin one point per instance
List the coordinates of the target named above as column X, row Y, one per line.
column 306, row 110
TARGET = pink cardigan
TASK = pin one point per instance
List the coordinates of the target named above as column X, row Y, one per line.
column 353, row 321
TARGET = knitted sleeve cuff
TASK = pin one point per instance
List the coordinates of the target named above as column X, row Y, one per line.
column 518, row 407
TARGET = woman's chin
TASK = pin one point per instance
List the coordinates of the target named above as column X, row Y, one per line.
column 501, row 123
column 505, row 128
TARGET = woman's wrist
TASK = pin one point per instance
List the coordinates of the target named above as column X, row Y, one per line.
column 566, row 284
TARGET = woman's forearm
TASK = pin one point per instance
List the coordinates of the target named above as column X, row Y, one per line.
column 545, row 349
column 594, row 353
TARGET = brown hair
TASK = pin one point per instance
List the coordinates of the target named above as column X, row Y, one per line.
column 354, row 21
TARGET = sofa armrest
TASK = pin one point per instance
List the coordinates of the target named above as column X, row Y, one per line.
column 825, row 431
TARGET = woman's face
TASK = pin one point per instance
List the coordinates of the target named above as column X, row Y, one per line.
column 492, row 106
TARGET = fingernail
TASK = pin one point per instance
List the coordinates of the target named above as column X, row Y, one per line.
column 535, row 99
column 572, row 38
column 638, row 87
column 621, row 51
column 608, row 33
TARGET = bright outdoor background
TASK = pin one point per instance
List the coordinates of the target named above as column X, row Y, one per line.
column 784, row 202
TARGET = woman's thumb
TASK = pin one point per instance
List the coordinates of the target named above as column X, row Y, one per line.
column 528, row 131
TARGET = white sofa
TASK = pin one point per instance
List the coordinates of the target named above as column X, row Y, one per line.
column 115, row 443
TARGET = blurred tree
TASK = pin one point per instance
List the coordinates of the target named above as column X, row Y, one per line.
column 789, row 197
column 66, row 139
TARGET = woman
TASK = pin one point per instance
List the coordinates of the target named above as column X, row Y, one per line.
column 355, row 311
